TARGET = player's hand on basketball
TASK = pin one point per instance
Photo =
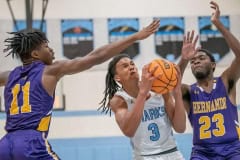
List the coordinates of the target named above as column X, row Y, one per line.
column 216, row 13
column 189, row 46
column 147, row 31
column 147, row 79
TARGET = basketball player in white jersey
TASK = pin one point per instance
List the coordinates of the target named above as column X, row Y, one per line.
column 145, row 117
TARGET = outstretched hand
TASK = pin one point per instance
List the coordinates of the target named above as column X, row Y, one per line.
column 216, row 13
column 147, row 31
column 189, row 46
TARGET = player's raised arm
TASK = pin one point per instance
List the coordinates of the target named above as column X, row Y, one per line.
column 175, row 107
column 233, row 72
column 103, row 53
column 187, row 53
column 188, row 50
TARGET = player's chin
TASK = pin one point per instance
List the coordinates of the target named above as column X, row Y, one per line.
column 134, row 73
column 136, row 77
column 49, row 62
column 200, row 75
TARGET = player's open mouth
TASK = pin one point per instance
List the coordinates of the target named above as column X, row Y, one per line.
column 132, row 73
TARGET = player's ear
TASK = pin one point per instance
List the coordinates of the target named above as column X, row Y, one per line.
column 213, row 66
column 34, row 54
column 117, row 78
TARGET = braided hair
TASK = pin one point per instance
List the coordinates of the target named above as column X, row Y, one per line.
column 22, row 43
column 111, row 86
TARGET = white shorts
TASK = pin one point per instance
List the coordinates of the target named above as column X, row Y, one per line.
column 177, row 155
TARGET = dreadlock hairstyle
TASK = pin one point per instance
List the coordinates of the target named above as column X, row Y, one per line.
column 111, row 86
column 22, row 43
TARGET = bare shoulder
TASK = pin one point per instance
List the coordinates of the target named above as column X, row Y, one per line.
column 51, row 76
column 185, row 88
column 117, row 103
column 224, row 76
column 55, row 69
column 185, row 93
column 73, row 66
column 56, row 65
column 4, row 77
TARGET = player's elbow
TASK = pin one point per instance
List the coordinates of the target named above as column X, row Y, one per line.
column 180, row 128
column 128, row 132
column 129, row 135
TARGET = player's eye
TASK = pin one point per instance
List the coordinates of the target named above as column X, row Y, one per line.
column 192, row 61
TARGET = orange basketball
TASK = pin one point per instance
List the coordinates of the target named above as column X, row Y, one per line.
column 168, row 79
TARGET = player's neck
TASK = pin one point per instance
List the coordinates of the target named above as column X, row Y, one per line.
column 132, row 89
column 206, row 84
column 205, row 81
column 28, row 61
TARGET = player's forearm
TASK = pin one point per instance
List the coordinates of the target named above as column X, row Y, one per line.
column 179, row 121
column 107, row 51
column 182, row 65
column 231, row 40
column 134, row 117
column 179, row 117
column 95, row 57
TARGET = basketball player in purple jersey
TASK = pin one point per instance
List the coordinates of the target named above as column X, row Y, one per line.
column 29, row 90
column 211, row 101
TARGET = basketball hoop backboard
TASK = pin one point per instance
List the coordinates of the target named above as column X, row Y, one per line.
column 31, row 8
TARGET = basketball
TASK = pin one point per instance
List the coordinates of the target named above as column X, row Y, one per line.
column 168, row 79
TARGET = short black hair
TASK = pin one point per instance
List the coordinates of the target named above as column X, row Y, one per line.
column 208, row 53
column 22, row 43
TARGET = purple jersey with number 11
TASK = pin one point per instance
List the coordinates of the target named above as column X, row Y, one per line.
column 27, row 104
column 28, row 107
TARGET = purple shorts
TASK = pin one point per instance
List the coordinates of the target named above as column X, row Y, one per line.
column 230, row 151
column 26, row 145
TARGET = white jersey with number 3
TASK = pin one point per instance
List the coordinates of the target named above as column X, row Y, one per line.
column 154, row 134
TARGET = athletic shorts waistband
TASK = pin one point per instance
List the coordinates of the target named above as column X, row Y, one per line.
column 26, row 132
column 164, row 152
